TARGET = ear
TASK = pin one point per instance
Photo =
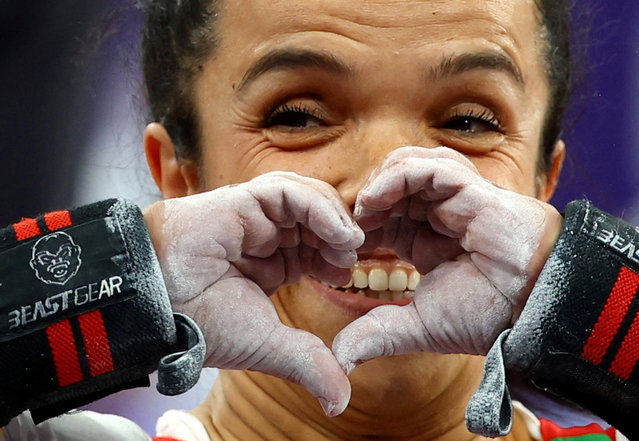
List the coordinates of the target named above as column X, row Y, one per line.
column 547, row 182
column 174, row 176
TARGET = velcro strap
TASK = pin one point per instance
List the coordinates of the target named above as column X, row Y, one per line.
column 83, row 309
column 578, row 335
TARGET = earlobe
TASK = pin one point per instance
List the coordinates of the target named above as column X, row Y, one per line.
column 174, row 176
column 547, row 182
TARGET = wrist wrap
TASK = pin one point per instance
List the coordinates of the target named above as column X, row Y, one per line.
column 84, row 312
column 578, row 335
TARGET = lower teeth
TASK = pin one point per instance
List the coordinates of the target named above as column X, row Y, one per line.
column 381, row 295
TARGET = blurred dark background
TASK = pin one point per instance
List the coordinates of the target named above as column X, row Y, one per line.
column 602, row 129
column 55, row 57
column 60, row 59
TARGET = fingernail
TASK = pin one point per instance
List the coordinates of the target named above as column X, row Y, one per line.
column 329, row 408
column 348, row 368
column 358, row 210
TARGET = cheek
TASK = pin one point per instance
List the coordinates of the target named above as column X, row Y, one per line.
column 515, row 172
column 220, row 163
column 300, row 307
column 249, row 158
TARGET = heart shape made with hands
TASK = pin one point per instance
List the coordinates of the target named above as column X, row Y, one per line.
column 223, row 252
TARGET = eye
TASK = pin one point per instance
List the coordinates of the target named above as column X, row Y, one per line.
column 473, row 123
column 65, row 251
column 293, row 117
column 45, row 258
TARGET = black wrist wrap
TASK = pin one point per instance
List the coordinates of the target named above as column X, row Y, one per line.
column 578, row 335
column 84, row 311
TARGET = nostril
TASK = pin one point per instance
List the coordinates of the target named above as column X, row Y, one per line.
column 354, row 177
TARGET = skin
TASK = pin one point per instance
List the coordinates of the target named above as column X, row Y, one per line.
column 386, row 87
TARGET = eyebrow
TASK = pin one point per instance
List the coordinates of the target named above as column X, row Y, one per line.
column 285, row 59
column 458, row 64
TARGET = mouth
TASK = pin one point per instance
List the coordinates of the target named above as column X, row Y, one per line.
column 382, row 280
column 379, row 278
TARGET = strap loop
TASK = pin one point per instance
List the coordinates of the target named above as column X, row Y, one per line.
column 178, row 372
column 490, row 411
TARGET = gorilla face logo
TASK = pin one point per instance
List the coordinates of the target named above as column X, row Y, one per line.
column 55, row 258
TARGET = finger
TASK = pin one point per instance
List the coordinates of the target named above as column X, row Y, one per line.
column 347, row 235
column 417, row 243
column 314, row 264
column 243, row 331
column 373, row 241
column 221, row 213
column 427, row 153
column 290, row 237
column 406, row 181
column 370, row 220
column 311, row 202
column 414, row 242
column 418, row 208
column 342, row 258
column 292, row 265
column 400, row 235
column 437, row 178
column 429, row 249
column 286, row 265
column 263, row 237
column 339, row 258
column 461, row 310
column 306, row 260
column 190, row 230
column 385, row 330
column 453, row 216
column 302, row 358
column 504, row 226
column 434, row 178
column 269, row 273
column 385, row 236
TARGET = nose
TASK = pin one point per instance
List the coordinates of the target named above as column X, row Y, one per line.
column 370, row 145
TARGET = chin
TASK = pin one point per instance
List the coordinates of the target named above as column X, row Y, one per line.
column 419, row 377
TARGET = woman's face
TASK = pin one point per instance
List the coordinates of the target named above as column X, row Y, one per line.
column 327, row 88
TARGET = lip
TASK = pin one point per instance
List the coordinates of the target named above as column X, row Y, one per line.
column 353, row 304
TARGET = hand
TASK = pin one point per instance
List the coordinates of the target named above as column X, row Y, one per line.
column 480, row 247
column 221, row 254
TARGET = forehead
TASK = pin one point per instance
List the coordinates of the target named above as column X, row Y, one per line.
column 376, row 13
column 54, row 240
column 252, row 25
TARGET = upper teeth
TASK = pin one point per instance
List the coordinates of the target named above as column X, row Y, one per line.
column 377, row 279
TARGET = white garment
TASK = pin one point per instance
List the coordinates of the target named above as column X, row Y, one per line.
column 74, row 426
column 181, row 425
column 530, row 420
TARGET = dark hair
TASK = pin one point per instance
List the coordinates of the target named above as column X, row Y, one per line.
column 559, row 68
column 181, row 34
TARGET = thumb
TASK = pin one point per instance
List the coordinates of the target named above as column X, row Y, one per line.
column 385, row 330
column 302, row 358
